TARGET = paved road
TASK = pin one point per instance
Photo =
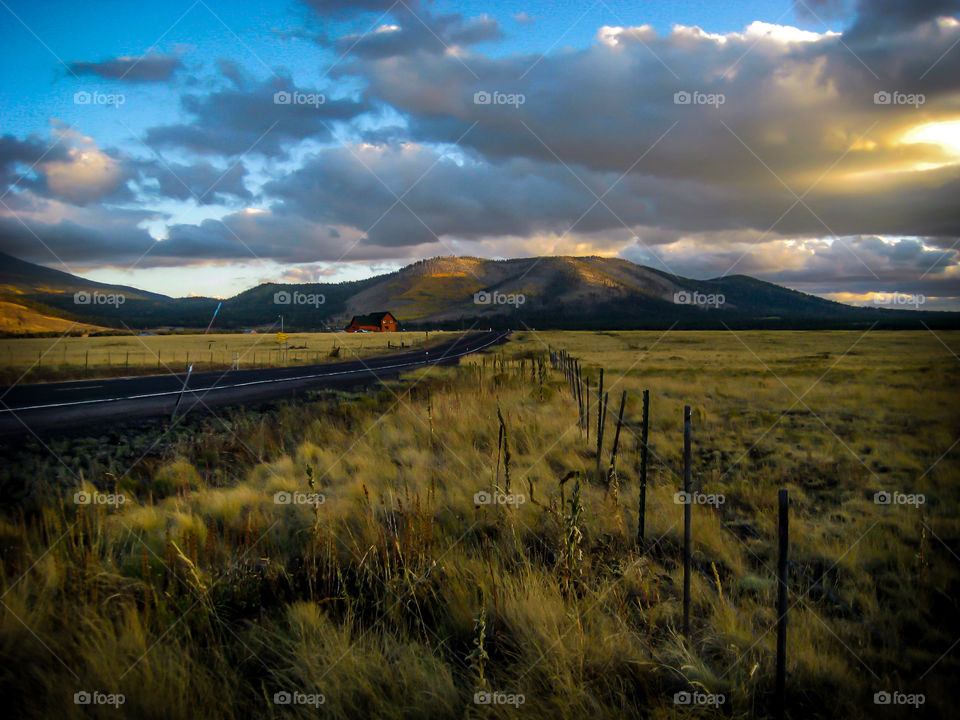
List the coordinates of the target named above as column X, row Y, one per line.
column 65, row 405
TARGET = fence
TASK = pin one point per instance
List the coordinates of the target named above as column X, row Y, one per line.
column 580, row 389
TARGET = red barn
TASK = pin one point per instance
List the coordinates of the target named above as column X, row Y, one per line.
column 373, row 322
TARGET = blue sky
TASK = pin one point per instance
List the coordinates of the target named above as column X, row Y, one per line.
column 41, row 38
column 798, row 176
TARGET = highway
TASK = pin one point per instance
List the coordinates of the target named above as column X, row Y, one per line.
column 43, row 407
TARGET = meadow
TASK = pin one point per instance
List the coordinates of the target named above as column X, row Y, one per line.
column 442, row 546
column 71, row 357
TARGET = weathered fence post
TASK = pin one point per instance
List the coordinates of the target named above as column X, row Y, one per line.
column 687, row 507
column 783, row 532
column 641, row 520
column 576, row 386
column 616, row 435
column 601, row 424
column 586, row 413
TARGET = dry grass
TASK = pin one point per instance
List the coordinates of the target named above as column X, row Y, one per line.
column 203, row 596
column 69, row 357
column 16, row 319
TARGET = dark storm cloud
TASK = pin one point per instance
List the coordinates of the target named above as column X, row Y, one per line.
column 17, row 157
column 100, row 238
column 259, row 118
column 473, row 198
column 147, row 68
column 605, row 106
column 359, row 187
column 201, row 181
column 795, row 114
column 876, row 18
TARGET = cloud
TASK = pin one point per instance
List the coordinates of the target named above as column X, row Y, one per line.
column 200, row 181
column 142, row 69
column 760, row 151
column 359, row 186
column 310, row 273
column 71, row 167
column 405, row 28
column 18, row 157
column 81, row 173
column 254, row 117
column 879, row 18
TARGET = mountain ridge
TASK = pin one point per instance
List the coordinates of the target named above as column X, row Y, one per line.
column 573, row 292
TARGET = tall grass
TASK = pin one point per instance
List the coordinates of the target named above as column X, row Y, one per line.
column 404, row 593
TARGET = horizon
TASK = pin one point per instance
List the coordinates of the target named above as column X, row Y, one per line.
column 210, row 148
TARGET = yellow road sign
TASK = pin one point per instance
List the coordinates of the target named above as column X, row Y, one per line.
column 282, row 337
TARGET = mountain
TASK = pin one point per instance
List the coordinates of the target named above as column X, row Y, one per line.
column 457, row 292
column 44, row 292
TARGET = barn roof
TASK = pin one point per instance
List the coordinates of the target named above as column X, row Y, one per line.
column 372, row 318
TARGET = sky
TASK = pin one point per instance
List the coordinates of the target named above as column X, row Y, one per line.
column 200, row 147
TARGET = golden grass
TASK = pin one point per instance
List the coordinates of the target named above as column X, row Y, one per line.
column 69, row 357
column 372, row 597
column 16, row 319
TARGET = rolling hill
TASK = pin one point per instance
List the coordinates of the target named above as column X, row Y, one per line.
column 449, row 292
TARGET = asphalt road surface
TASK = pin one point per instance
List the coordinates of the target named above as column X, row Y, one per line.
column 67, row 405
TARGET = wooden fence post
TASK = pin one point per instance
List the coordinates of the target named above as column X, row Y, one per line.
column 687, row 506
column 601, row 423
column 579, row 395
column 599, row 404
column 783, row 532
column 616, row 435
column 641, row 520
column 586, row 413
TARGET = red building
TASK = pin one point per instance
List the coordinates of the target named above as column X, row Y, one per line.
column 373, row 322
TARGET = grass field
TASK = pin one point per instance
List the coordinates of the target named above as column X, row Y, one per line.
column 378, row 583
column 67, row 358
